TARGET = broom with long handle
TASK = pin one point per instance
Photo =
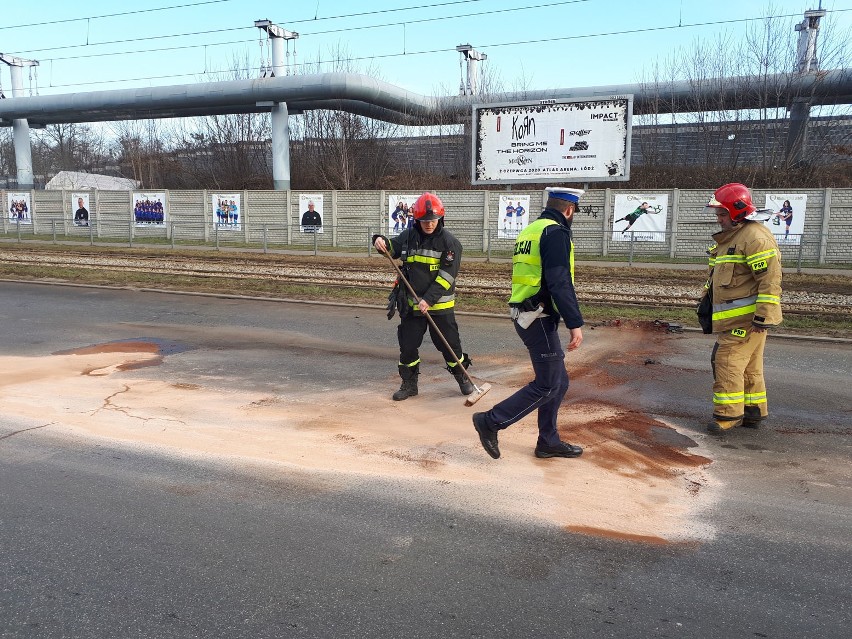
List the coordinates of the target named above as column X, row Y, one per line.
column 479, row 391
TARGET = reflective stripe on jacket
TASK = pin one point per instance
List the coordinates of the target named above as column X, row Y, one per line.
column 431, row 263
column 746, row 277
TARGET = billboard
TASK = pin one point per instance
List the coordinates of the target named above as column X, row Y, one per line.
column 80, row 206
column 577, row 140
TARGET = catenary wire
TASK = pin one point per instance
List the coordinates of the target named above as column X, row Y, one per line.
column 433, row 51
column 232, row 29
column 377, row 26
column 195, row 4
column 112, row 15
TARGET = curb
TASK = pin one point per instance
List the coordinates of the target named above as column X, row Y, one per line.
column 257, row 298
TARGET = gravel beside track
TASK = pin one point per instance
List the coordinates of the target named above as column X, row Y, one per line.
column 621, row 286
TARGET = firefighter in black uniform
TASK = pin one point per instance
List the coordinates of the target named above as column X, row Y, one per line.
column 430, row 256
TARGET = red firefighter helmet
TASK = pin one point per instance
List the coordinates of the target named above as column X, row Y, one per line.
column 428, row 207
column 735, row 199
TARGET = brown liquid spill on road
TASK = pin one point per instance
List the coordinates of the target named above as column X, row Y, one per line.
column 129, row 346
column 621, row 536
column 632, row 444
column 637, row 479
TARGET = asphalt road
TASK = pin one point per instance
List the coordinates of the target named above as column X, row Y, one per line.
column 107, row 539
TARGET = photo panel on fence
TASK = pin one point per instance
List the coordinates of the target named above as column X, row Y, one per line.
column 513, row 214
column 640, row 217
column 400, row 212
column 310, row 205
column 227, row 214
column 19, row 206
column 788, row 216
column 149, row 209
column 80, row 208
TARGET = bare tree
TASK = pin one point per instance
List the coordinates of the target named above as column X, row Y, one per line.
column 749, row 137
column 7, row 152
column 140, row 146
column 70, row 147
column 335, row 149
column 228, row 151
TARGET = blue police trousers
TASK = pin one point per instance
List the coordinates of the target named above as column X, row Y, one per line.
column 545, row 392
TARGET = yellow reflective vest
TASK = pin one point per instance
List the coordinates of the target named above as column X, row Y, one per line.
column 526, row 261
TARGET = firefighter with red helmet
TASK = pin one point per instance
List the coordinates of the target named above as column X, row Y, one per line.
column 745, row 290
column 430, row 256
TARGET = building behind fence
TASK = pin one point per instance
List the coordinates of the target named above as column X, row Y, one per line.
column 350, row 218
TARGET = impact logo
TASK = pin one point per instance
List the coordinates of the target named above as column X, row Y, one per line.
column 609, row 117
column 580, row 146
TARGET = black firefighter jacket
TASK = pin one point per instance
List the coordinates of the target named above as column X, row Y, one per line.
column 430, row 263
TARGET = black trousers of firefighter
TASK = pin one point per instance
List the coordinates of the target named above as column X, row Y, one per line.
column 413, row 327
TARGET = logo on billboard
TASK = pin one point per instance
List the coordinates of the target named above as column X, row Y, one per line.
column 580, row 146
column 580, row 132
column 610, row 117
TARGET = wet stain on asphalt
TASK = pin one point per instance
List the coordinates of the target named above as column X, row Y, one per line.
column 621, row 536
column 138, row 345
column 633, row 445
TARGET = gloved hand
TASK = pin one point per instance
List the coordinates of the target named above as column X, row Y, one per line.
column 380, row 244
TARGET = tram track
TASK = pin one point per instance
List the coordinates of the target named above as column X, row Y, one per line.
column 626, row 287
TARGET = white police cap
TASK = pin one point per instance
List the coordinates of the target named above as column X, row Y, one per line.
column 561, row 193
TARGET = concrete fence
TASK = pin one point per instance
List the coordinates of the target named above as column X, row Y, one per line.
column 271, row 219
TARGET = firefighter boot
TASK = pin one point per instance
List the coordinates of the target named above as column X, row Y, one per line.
column 465, row 385
column 718, row 427
column 752, row 417
column 409, row 382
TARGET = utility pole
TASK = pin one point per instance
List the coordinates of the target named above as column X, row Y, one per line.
column 278, row 110
column 20, row 127
column 808, row 31
column 806, row 63
column 469, row 84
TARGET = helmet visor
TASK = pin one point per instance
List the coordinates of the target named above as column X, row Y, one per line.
column 714, row 207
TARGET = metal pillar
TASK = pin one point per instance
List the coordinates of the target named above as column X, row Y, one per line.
column 278, row 110
column 280, row 147
column 470, row 76
column 806, row 62
column 20, row 127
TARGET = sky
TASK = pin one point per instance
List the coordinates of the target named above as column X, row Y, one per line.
column 529, row 44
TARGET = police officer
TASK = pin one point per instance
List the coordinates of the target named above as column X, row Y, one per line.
column 431, row 256
column 542, row 292
column 745, row 284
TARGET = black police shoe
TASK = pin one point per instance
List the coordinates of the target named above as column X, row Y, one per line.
column 562, row 449
column 487, row 437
